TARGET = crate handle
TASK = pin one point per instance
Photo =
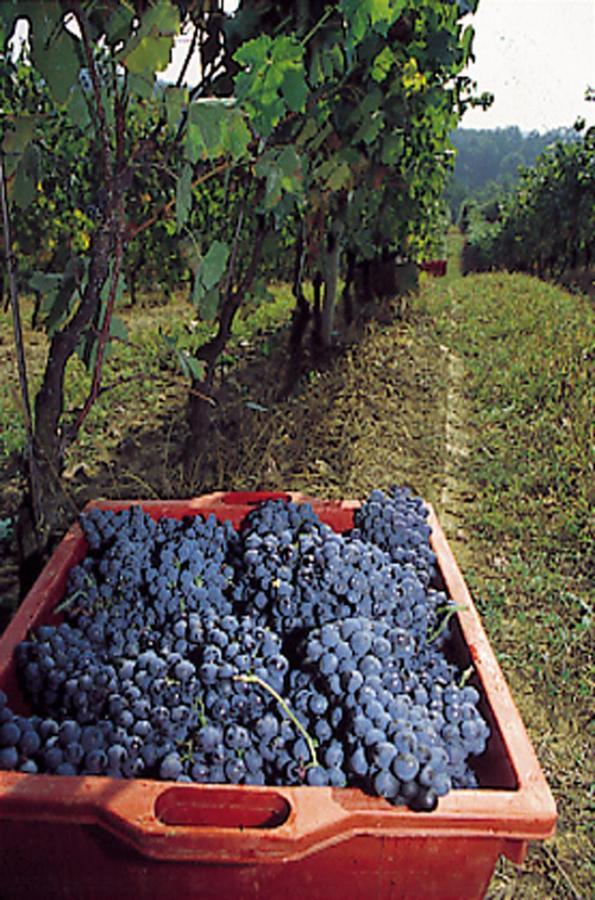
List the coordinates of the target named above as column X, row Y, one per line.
column 169, row 820
column 218, row 808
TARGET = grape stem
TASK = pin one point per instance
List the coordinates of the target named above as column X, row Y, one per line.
column 69, row 601
column 199, row 706
column 466, row 675
column 255, row 679
column 450, row 612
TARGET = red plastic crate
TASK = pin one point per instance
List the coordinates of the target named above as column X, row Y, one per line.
column 436, row 267
column 93, row 837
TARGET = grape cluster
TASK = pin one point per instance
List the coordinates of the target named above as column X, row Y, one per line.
column 295, row 572
column 282, row 653
column 397, row 523
column 397, row 711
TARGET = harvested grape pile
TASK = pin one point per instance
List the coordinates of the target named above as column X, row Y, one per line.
column 283, row 653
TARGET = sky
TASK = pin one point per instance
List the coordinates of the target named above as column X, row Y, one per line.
column 537, row 57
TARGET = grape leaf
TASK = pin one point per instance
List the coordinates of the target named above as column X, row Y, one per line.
column 175, row 100
column 57, row 62
column 381, row 10
column 16, row 139
column 467, row 42
column 382, row 64
column 204, row 135
column 254, row 53
column 196, row 367
column 289, row 162
column 392, row 148
column 149, row 49
column 44, row 282
column 213, row 264
column 77, row 109
column 272, row 80
column 57, row 292
column 117, row 329
column 152, row 54
column 370, row 129
column 86, row 348
column 266, row 117
column 198, row 290
column 237, row 135
column 141, row 84
column 24, row 187
column 119, row 24
column 339, row 177
column 52, row 46
column 183, row 196
column 467, row 6
column 295, row 89
column 209, row 304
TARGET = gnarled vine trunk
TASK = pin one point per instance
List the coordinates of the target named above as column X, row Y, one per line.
column 331, row 278
column 45, row 504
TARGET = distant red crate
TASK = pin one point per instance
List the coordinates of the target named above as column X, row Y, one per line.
column 436, row 267
column 95, row 837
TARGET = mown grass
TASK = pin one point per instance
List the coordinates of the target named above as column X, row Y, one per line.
column 528, row 349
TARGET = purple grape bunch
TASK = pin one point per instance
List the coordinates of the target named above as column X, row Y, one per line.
column 280, row 654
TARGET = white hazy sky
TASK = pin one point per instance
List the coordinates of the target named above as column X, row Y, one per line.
column 537, row 57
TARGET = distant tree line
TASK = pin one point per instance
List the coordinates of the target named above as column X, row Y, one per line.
column 487, row 162
column 545, row 226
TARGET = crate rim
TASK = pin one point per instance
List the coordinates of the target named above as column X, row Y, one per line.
column 318, row 817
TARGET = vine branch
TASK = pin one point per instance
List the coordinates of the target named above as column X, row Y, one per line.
column 103, row 129
column 189, row 54
column 134, row 230
column 119, row 216
column 19, row 342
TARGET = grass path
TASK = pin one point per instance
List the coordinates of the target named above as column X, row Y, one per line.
column 523, row 531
